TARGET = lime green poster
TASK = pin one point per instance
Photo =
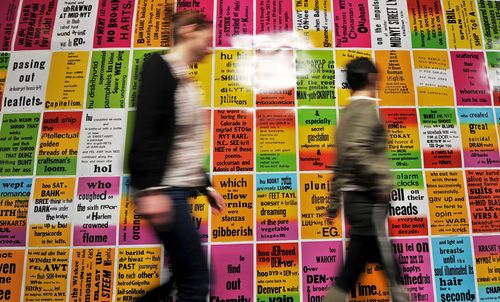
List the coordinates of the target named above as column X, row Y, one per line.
column 107, row 84
column 315, row 78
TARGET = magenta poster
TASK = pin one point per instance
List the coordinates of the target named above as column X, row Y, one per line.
column 35, row 24
column 471, row 78
column 487, row 256
column 8, row 14
column 352, row 24
column 414, row 260
column 321, row 264
column 114, row 23
column 234, row 18
column 274, row 16
column 97, row 211
column 232, row 267
column 205, row 7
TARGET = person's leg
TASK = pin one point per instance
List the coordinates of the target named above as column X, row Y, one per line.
column 353, row 267
column 387, row 259
column 189, row 262
column 183, row 246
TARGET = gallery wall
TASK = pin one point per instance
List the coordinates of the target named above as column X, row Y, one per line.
column 274, row 90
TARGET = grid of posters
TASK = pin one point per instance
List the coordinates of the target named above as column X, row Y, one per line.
column 273, row 91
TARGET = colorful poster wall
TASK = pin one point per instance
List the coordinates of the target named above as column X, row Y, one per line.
column 272, row 91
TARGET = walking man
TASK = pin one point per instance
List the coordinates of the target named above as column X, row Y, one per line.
column 363, row 182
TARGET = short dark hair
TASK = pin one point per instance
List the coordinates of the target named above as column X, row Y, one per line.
column 188, row 17
column 357, row 73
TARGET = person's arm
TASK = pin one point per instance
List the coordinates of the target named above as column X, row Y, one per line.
column 154, row 125
column 335, row 201
column 152, row 140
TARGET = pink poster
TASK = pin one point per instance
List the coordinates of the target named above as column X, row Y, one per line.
column 8, row 14
column 97, row 211
column 321, row 265
column 234, row 18
column 205, row 7
column 35, row 24
column 274, row 16
column 352, row 23
column 471, row 78
column 414, row 260
column 232, row 267
column 114, row 23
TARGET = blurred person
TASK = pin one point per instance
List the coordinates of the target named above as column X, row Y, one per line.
column 167, row 155
column 362, row 183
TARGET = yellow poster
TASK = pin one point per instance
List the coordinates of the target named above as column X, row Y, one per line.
column 202, row 73
column 463, row 24
column 236, row 222
column 50, row 212
column 314, row 22
column 396, row 78
column 138, row 272
column 4, row 64
column 447, row 206
column 46, row 275
column 153, row 25
column 233, row 80
column 314, row 200
column 66, row 84
column 342, row 58
column 433, row 78
column 199, row 213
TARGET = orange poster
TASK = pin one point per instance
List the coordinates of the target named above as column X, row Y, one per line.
column 11, row 277
column 236, row 223
column 396, row 82
column 92, row 275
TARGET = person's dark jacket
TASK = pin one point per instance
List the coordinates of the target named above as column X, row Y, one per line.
column 154, row 128
column 362, row 164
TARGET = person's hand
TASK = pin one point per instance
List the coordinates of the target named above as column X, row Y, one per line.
column 216, row 201
column 157, row 208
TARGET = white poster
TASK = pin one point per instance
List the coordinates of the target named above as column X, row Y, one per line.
column 389, row 24
column 74, row 25
column 27, row 81
column 102, row 140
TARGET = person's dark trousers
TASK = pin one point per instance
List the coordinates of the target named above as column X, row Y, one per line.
column 183, row 246
column 361, row 250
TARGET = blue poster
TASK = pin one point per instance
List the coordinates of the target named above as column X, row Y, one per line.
column 453, row 269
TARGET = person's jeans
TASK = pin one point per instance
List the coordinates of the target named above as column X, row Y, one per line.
column 183, row 246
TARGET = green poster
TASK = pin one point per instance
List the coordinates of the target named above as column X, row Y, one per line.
column 315, row 78
column 107, row 84
column 490, row 19
column 493, row 62
column 316, row 139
